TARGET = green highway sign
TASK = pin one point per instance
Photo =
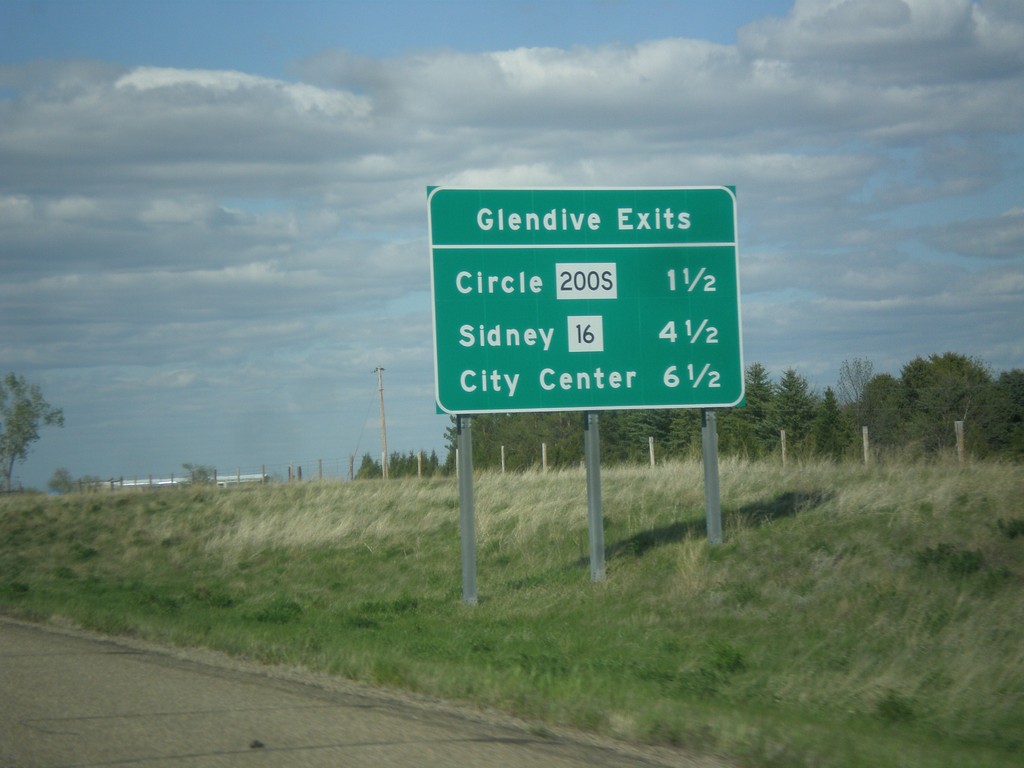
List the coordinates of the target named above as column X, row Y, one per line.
column 585, row 299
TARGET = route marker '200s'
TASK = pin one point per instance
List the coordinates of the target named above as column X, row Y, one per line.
column 585, row 299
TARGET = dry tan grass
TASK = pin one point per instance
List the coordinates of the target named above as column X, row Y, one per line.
column 517, row 507
column 330, row 514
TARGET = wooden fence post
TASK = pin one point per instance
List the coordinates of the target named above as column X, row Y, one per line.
column 782, row 434
column 867, row 450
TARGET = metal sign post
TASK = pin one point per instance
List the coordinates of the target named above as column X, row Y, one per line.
column 467, row 510
column 712, row 494
column 595, row 518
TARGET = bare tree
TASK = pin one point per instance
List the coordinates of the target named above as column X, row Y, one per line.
column 853, row 381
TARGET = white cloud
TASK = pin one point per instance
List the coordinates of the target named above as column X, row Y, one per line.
column 78, row 208
column 894, row 41
column 304, row 98
column 999, row 237
column 176, row 379
column 173, row 211
column 15, row 209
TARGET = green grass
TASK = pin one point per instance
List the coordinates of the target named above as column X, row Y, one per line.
column 853, row 617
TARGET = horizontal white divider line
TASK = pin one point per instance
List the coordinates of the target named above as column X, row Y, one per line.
column 579, row 247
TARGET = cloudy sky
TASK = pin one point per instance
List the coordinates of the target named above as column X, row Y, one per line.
column 213, row 214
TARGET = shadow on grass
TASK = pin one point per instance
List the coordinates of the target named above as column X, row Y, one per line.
column 749, row 515
column 641, row 543
column 783, row 505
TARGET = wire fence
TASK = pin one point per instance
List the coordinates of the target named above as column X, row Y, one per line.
column 315, row 470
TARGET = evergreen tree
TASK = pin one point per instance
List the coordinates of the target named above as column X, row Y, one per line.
column 434, row 464
column 747, row 430
column 648, row 423
column 832, row 435
column 523, row 435
column 792, row 409
column 369, row 468
column 616, row 437
column 683, row 439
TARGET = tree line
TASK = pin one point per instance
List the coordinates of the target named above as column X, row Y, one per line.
column 411, row 464
column 911, row 414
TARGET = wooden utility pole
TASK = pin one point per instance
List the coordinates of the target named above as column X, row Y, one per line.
column 383, row 428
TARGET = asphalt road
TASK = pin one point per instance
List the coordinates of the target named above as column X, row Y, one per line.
column 72, row 699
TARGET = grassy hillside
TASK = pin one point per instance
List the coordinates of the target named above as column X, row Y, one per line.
column 853, row 617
